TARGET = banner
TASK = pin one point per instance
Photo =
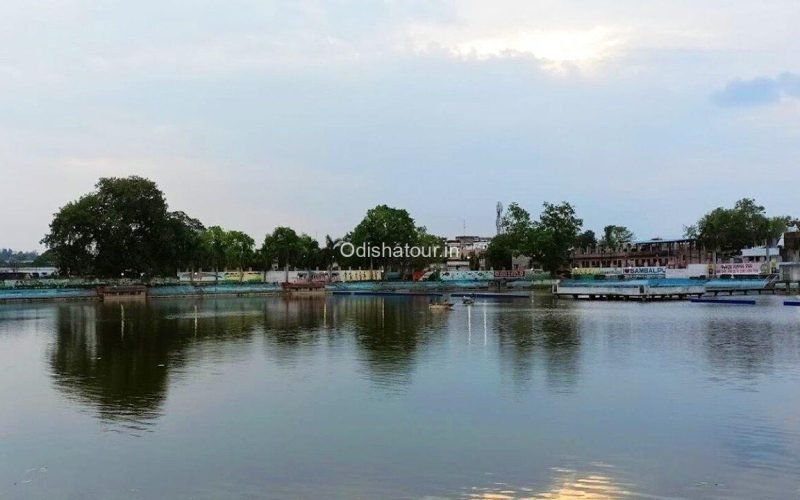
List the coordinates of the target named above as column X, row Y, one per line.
column 645, row 271
column 742, row 268
column 517, row 273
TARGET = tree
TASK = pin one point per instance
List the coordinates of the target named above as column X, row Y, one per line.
column 516, row 220
column 555, row 235
column 284, row 245
column 214, row 244
column 122, row 227
column 586, row 239
column 328, row 253
column 728, row 230
column 130, row 217
column 426, row 242
column 10, row 257
column 182, row 241
column 47, row 259
column 616, row 236
column 383, row 225
column 238, row 249
column 520, row 230
column 73, row 236
column 500, row 251
column 308, row 252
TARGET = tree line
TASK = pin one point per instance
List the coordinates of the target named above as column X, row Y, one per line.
column 551, row 240
column 124, row 227
column 9, row 256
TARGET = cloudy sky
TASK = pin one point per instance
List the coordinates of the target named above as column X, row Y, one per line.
column 252, row 114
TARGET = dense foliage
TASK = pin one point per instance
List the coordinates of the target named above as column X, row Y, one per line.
column 394, row 228
column 124, row 228
column 548, row 241
column 728, row 230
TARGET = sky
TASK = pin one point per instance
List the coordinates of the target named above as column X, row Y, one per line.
column 254, row 114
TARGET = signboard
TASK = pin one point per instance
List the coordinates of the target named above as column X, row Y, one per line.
column 740, row 268
column 595, row 271
column 644, row 271
column 517, row 273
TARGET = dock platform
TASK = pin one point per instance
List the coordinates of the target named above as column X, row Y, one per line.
column 643, row 289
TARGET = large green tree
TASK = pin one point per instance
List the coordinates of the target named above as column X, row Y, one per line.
column 383, row 225
column 728, row 230
column 555, row 236
column 283, row 245
column 549, row 240
column 500, row 251
column 122, row 227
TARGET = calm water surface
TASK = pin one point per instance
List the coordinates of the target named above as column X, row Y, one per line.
column 373, row 397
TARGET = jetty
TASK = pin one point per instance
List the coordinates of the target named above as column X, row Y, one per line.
column 634, row 289
column 660, row 288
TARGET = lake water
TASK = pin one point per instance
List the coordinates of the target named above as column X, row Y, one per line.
column 380, row 397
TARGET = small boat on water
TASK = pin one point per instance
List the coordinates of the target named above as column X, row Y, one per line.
column 441, row 306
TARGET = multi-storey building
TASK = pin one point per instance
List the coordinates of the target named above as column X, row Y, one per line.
column 670, row 254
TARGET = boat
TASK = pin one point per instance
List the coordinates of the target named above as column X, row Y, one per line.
column 441, row 306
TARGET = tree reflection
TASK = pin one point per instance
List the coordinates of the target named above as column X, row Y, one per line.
column 292, row 326
column 390, row 331
column 117, row 358
column 113, row 363
column 525, row 338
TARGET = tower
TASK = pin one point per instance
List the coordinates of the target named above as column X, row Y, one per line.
column 499, row 220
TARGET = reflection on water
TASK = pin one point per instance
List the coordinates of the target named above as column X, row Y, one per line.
column 382, row 397
column 389, row 333
column 550, row 337
column 565, row 484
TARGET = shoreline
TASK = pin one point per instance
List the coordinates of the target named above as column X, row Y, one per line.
column 389, row 288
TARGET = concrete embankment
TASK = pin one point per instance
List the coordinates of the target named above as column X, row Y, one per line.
column 16, row 295
column 97, row 292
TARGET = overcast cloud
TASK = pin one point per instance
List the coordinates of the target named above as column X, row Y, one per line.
column 307, row 113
